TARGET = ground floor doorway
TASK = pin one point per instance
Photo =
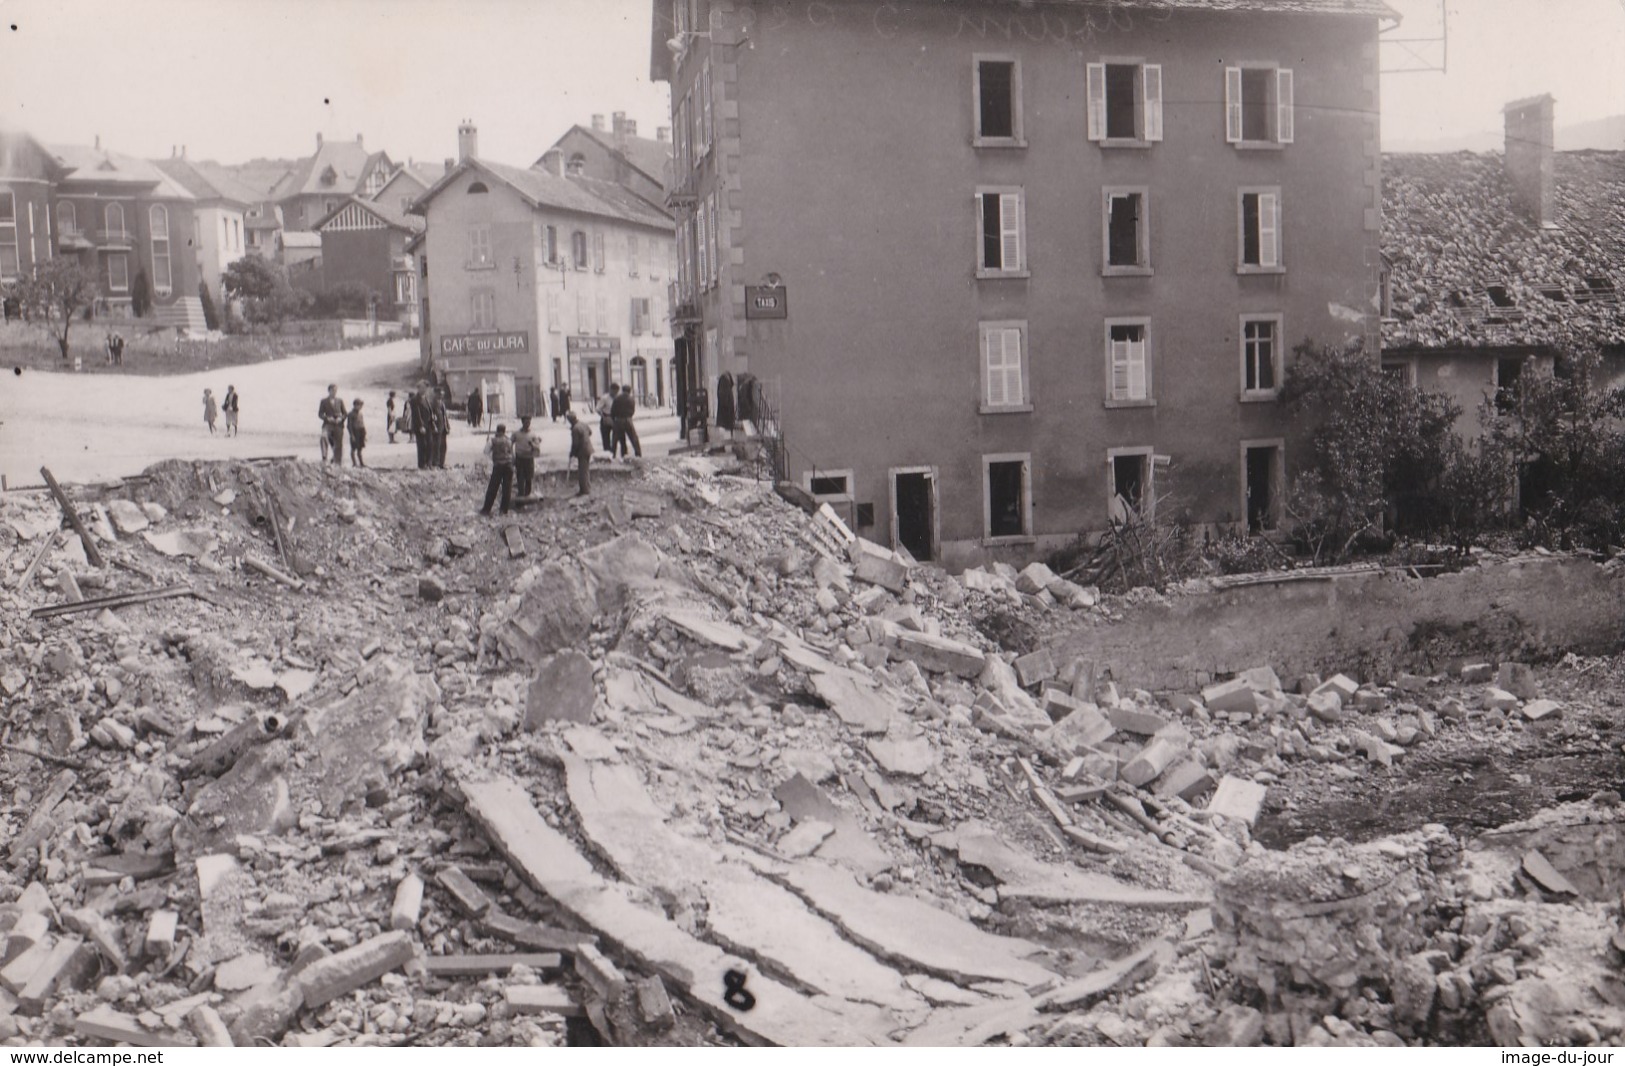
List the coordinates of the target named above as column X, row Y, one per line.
column 914, row 511
column 1261, row 488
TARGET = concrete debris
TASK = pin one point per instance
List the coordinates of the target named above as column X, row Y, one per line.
column 1238, row 799
column 562, row 690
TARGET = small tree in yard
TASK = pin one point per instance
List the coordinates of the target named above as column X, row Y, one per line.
column 211, row 316
column 1378, row 448
column 140, row 295
column 267, row 297
column 59, row 290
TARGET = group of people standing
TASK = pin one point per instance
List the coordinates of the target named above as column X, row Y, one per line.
column 336, row 421
column 425, row 420
column 212, row 409
column 514, row 459
column 115, row 349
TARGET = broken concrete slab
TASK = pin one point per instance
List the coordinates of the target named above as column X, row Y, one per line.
column 1536, row 710
column 619, row 564
column 561, row 691
column 188, row 542
column 339, row 974
column 1234, row 697
column 850, row 844
column 909, row 757
column 1187, row 780
column 1035, row 578
column 253, row 797
column 940, row 655
column 1540, row 870
column 881, row 570
column 1133, row 720
column 541, row 999
column 1153, row 759
column 1085, row 727
column 1119, row 973
column 223, row 889
column 366, row 738
column 855, row 700
column 804, row 838
column 1025, row 878
column 105, row 1023
column 556, row 612
column 718, row 634
column 1238, row 798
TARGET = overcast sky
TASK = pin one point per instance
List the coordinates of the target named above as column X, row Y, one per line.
column 234, row 79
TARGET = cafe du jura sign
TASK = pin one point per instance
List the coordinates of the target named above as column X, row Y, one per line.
column 767, row 301
column 485, row 344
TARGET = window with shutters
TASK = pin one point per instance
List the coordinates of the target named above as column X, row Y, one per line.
column 483, row 316
column 1125, row 103
column 480, row 256
column 578, row 249
column 1126, row 231
column 631, row 255
column 550, row 245
column 118, row 272
column 716, row 239
column 598, row 252
column 554, row 325
column 1128, row 362
column 996, row 88
column 1004, row 368
column 1001, row 218
column 702, row 246
column 10, row 256
column 1259, row 216
column 707, row 128
column 1007, row 510
column 1260, row 357
column 583, row 313
column 1258, row 106
column 640, row 315
column 603, row 314
column 163, row 280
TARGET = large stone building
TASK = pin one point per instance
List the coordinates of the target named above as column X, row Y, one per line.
column 534, row 278
column 28, row 171
column 991, row 269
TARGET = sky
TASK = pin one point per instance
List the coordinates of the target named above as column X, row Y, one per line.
column 236, row 79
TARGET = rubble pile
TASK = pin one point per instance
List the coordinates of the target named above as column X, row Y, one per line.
column 683, row 763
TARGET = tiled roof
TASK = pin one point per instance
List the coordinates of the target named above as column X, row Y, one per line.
column 543, row 188
column 104, row 167
column 648, row 156
column 348, row 160
column 1469, row 267
column 207, row 181
column 630, row 206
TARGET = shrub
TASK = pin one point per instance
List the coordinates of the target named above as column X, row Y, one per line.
column 347, row 299
column 211, row 316
column 141, row 295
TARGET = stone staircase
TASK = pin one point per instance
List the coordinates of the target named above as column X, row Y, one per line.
column 185, row 313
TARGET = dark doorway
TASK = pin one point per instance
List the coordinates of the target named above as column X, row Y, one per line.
column 1261, row 470
column 1128, row 481
column 914, row 519
column 1007, row 505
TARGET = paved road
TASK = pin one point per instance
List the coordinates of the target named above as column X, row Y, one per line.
column 91, row 426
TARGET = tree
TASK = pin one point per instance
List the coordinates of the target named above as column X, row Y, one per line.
column 141, row 294
column 59, row 290
column 263, row 288
column 1378, row 447
column 211, row 316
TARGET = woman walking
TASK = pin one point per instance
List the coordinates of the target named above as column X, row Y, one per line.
column 210, row 410
column 229, row 405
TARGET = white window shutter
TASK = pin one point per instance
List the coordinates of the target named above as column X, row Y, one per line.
column 1269, row 230
column 1097, row 101
column 992, row 381
column 1152, row 74
column 1010, row 231
column 1012, row 367
column 1120, row 376
column 1136, row 369
column 1232, row 104
column 1283, row 106
column 710, row 130
column 603, row 315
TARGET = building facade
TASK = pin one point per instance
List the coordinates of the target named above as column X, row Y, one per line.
column 364, row 242
column 614, row 152
column 532, row 279
column 27, row 174
column 219, row 213
column 318, row 184
column 1055, row 269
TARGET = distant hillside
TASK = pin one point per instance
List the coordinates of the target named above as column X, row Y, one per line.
column 1606, row 133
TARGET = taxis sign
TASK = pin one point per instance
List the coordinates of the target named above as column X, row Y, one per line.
column 765, row 301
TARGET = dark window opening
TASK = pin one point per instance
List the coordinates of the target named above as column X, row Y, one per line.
column 1499, row 296
column 992, row 245
column 1249, row 229
column 865, row 513
column 477, row 187
column 1602, row 290
column 578, row 249
column 1400, row 373
column 1121, row 112
column 1007, row 511
column 1255, row 104
column 997, row 81
column 1555, row 293
column 1123, row 231
column 1507, row 374
column 1128, row 480
column 829, row 485
column 1261, row 464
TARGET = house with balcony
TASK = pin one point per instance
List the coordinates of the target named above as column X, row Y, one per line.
column 219, row 212
column 536, row 277
column 1052, row 270
column 1498, row 264
column 132, row 225
column 28, row 172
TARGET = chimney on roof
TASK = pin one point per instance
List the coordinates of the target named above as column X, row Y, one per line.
column 598, row 123
column 1529, row 137
column 449, row 164
column 183, row 151
column 172, row 151
column 468, row 140
column 358, row 138
column 318, row 138
column 619, row 133
column 552, row 161
column 663, row 134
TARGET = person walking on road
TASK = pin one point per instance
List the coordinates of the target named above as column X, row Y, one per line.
column 622, row 411
column 500, row 449
column 358, row 433
column 553, row 403
column 442, row 429
column 417, row 425
column 109, row 347
column 525, row 449
column 389, row 416
column 476, row 409
column 209, row 408
column 332, row 413
column 606, row 419
column 229, row 405
column 580, row 451
column 118, row 349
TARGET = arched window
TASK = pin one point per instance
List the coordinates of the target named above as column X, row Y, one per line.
column 577, row 164
column 115, row 220
column 477, row 187
column 67, row 218
column 162, row 280
column 578, row 248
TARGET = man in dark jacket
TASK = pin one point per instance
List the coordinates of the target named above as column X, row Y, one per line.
column 501, row 451
column 332, row 413
column 580, row 451
column 553, row 403
column 417, row 410
column 622, row 411
column 476, row 408
column 525, row 449
column 606, row 418
column 441, row 420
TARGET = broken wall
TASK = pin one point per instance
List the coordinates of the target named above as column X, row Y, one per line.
column 1370, row 623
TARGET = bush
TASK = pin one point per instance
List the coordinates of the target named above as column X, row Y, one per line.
column 347, row 299
column 211, row 317
column 141, row 295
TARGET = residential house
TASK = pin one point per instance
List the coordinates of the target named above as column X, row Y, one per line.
column 534, row 278
column 219, row 206
column 262, row 230
column 992, row 272
column 27, row 173
column 125, row 218
column 1498, row 262
column 364, row 242
column 317, row 185
column 409, row 181
column 618, row 154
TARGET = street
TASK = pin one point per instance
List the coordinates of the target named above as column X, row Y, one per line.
column 87, row 427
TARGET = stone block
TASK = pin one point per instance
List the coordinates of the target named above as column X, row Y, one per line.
column 829, row 574
column 557, row 612
column 408, row 903
column 1518, row 679
column 1130, row 719
column 468, row 897
column 1234, row 697
column 1325, row 706
column 1151, row 760
column 1057, row 704
column 160, row 938
column 1236, row 1026
column 1034, row 668
column 1535, row 710
column 601, row 975
column 541, row 999
column 1261, row 679
column 350, row 969
column 910, row 757
column 654, row 1005
column 562, row 690
column 1186, row 779
column 1499, row 699
column 1411, row 683
column 1344, row 686
column 872, row 600
column 619, row 564
column 940, row 654
column 1035, row 578
column 1238, row 798
column 1078, row 675
column 881, row 570
column 1085, row 727
column 1370, row 701
column 1540, row 870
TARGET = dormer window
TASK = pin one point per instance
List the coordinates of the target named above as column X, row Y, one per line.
column 329, row 176
column 1499, row 296
column 577, row 164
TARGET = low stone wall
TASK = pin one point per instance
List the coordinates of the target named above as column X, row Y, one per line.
column 1368, row 624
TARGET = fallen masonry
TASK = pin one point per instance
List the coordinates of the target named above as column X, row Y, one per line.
column 373, row 775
